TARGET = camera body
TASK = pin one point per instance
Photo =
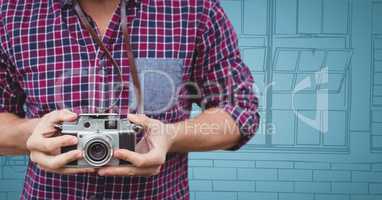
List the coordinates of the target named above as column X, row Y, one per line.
column 98, row 136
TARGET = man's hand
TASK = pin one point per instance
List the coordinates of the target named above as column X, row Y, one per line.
column 45, row 147
column 150, row 152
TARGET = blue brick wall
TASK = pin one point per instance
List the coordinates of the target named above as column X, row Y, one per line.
column 337, row 154
column 315, row 180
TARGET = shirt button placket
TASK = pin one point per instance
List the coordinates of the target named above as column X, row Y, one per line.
column 102, row 62
column 102, row 72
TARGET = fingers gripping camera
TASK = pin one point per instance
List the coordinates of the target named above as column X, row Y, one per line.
column 98, row 136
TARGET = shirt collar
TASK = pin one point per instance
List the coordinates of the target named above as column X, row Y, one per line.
column 65, row 3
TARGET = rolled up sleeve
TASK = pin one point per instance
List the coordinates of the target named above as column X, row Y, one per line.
column 224, row 80
column 11, row 95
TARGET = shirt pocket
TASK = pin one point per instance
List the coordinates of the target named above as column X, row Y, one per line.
column 161, row 79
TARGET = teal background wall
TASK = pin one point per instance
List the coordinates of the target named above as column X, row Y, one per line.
column 326, row 56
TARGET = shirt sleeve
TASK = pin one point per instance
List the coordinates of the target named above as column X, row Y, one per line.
column 223, row 79
column 11, row 95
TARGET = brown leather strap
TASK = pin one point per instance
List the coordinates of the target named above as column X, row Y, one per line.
column 133, row 68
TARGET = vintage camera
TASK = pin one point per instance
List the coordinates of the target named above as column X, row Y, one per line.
column 98, row 135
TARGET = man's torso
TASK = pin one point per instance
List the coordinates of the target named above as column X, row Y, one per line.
column 58, row 66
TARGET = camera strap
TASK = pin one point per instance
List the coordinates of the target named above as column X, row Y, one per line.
column 131, row 59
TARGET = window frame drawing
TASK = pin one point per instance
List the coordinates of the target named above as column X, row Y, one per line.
column 270, row 42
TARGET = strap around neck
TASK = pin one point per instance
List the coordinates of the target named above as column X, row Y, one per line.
column 133, row 68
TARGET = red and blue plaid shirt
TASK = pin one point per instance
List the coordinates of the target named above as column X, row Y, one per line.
column 48, row 61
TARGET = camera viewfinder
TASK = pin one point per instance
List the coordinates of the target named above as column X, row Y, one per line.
column 111, row 124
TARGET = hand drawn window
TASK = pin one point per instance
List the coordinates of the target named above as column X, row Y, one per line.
column 309, row 99
column 300, row 54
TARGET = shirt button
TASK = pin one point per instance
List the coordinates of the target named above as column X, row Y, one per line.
column 102, row 71
column 102, row 63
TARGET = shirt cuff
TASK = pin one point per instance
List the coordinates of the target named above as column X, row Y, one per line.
column 246, row 120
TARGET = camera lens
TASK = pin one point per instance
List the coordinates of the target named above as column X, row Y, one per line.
column 98, row 151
